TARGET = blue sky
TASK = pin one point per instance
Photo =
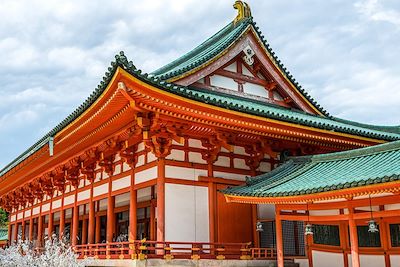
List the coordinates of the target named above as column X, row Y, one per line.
column 54, row 53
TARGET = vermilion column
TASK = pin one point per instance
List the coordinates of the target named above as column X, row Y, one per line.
column 84, row 230
column 161, row 200
column 9, row 230
column 75, row 219
column 23, row 226
column 51, row 219
column 92, row 218
column 62, row 215
column 40, row 226
column 153, row 203
column 110, row 215
column 279, row 237
column 97, row 237
column 31, row 228
column 355, row 258
column 132, row 209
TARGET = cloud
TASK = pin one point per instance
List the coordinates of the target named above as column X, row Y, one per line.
column 53, row 54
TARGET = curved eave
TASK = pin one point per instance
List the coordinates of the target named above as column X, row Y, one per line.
column 348, row 193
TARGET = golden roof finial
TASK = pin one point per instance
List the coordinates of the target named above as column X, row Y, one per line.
column 243, row 10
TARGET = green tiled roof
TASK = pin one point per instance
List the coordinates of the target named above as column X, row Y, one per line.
column 3, row 234
column 217, row 44
column 327, row 172
column 217, row 99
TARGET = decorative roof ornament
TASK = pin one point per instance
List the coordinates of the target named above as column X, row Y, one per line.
column 248, row 55
column 243, row 11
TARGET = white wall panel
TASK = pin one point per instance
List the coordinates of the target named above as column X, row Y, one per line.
column 45, row 207
column 144, row 194
column 101, row 189
column 117, row 169
column 184, row 173
column 255, row 89
column 265, row 167
column 223, row 161
column 302, row 262
column 196, row 157
column 125, row 167
column 121, row 183
column 140, row 161
column 151, row 157
column 146, row 175
column 140, row 147
column 56, row 204
column 392, row 207
column 240, row 164
column 327, row 259
column 395, row 260
column 69, row 199
column 176, row 155
column 372, row 261
column 122, row 200
column 233, row 176
column 35, row 210
column 195, row 143
column 186, row 213
column 28, row 213
column 239, row 150
column 224, row 82
column 20, row 215
column 84, row 195
column 324, row 212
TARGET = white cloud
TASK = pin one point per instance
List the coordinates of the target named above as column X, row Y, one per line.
column 54, row 53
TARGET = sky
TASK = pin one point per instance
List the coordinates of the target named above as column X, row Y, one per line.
column 54, row 53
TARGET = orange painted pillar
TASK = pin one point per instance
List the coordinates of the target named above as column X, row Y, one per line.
column 161, row 200
column 51, row 219
column 23, row 226
column 385, row 237
column 40, row 226
column 132, row 209
column 30, row 228
column 211, row 210
column 279, row 237
column 97, row 235
column 75, row 219
column 110, row 216
column 355, row 258
column 9, row 231
column 84, row 230
column 62, row 217
column 92, row 218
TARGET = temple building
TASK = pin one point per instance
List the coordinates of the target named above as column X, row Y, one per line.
column 160, row 165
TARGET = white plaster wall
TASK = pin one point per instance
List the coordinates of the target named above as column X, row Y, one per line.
column 195, row 143
column 27, row 213
column 176, row 155
column 392, row 207
column 140, row 147
column 56, row 204
column 121, row 183
column 184, row 173
column 125, row 167
column 13, row 217
column 84, row 195
column 35, row 210
column 98, row 177
column 223, row 161
column 176, row 143
column 239, row 150
column 372, row 261
column 146, row 175
column 266, row 211
column 224, row 82
column 233, row 176
column 45, row 207
column 20, row 216
column 327, row 259
column 117, row 169
column 395, row 260
column 324, row 212
column 196, row 157
column 277, row 96
column 255, row 89
column 186, row 213
column 151, row 157
column 240, row 164
column 231, row 67
column 264, row 167
column 99, row 190
column 302, row 262
column 69, row 200
column 103, row 204
column 140, row 161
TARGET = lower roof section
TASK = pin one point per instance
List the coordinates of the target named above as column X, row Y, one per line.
column 306, row 177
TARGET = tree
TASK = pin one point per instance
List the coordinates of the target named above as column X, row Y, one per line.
column 3, row 218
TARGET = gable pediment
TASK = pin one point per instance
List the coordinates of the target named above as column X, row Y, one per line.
column 246, row 69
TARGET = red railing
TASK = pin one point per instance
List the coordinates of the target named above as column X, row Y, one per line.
column 167, row 250
column 263, row 253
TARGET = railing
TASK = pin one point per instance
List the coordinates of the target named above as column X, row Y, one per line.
column 168, row 250
column 263, row 253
